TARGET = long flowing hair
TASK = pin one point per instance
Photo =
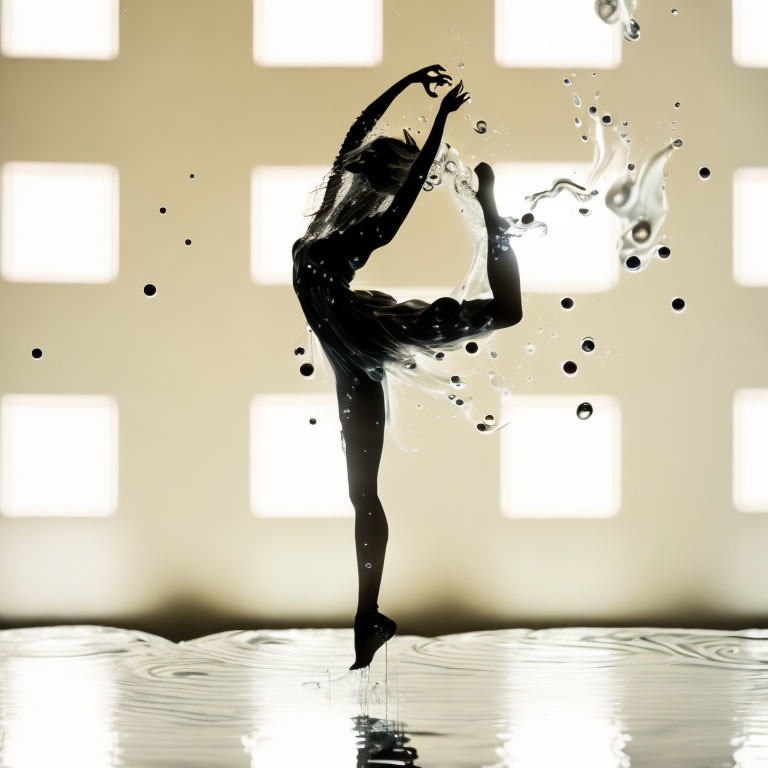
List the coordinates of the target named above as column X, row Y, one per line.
column 381, row 166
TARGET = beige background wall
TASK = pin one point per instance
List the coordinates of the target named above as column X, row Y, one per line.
column 184, row 555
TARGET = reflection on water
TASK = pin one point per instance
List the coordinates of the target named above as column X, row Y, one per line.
column 84, row 696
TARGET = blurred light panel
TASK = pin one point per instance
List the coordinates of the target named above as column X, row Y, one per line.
column 750, row 450
column 298, row 469
column 750, row 201
column 58, row 455
column 578, row 253
column 281, row 195
column 750, row 20
column 60, row 29
column 556, row 33
column 554, row 464
column 60, row 222
column 308, row 33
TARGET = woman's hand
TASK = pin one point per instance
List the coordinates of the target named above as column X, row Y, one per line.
column 454, row 98
column 430, row 75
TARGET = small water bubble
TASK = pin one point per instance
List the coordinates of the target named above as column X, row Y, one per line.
column 313, row 421
column 678, row 304
column 455, row 379
column 162, row 210
column 584, row 411
column 149, row 290
column 576, row 100
column 633, row 263
column 439, row 355
column 428, row 186
column 570, row 368
column 593, row 110
column 492, row 354
column 553, row 335
column 530, row 348
column 674, row 11
column 422, row 118
column 489, row 419
column 631, row 167
column 471, row 347
column 678, row 142
column 577, row 122
column 566, row 302
column 625, row 123
column 307, row 369
column 664, row 252
column 704, row 173
column 597, row 94
column 529, row 378
column 37, row 353
column 677, row 105
column 187, row 242
column 451, row 397
column 588, row 344
column 526, row 219
column 641, row 231
column 459, row 402
column 367, row 565
column 566, row 81
column 585, row 211
column 482, row 427
column 450, row 166
column 607, row 119
column 583, row 138
column 481, row 126
column 461, row 65
column 298, row 351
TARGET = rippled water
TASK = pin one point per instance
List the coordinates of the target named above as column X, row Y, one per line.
column 90, row 696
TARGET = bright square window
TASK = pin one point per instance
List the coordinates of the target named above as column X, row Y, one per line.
column 308, row 33
column 750, row 450
column 60, row 222
column 555, row 33
column 578, row 253
column 60, row 29
column 750, row 18
column 58, row 455
column 554, row 464
column 298, row 469
column 750, row 201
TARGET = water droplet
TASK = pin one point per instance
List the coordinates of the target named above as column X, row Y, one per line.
column 588, row 344
column 566, row 302
column 633, row 263
column 307, row 369
column 37, row 353
column 641, row 231
column 187, row 242
column 570, row 368
column 471, row 347
column 674, row 11
column 162, row 210
column 529, row 378
column 607, row 119
column 367, row 565
column 428, row 186
column 481, row 126
column 576, row 100
column 455, row 379
column 459, row 402
column 704, row 172
column 584, row 138
column 422, row 118
column 313, row 421
column 678, row 142
column 584, row 411
column 664, row 252
column 298, row 351
column 526, row 219
column 593, row 110
column 530, row 348
column 150, row 290
column 566, row 81
column 677, row 105
column 492, row 354
column 482, row 427
column 585, row 211
column 461, row 65
column 577, row 122
column 597, row 94
column 678, row 304
column 631, row 167
column 440, row 355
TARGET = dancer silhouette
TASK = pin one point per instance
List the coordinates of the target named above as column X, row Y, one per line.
column 371, row 188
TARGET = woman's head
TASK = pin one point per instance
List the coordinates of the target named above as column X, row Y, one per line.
column 384, row 162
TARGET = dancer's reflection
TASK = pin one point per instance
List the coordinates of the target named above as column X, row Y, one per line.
column 372, row 186
column 382, row 742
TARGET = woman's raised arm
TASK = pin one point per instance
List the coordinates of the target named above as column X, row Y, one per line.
column 372, row 114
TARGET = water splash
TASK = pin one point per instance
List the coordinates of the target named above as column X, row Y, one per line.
column 620, row 11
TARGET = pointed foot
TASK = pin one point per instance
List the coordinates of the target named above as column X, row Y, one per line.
column 371, row 632
column 494, row 222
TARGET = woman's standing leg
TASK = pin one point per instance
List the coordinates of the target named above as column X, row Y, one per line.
column 361, row 411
